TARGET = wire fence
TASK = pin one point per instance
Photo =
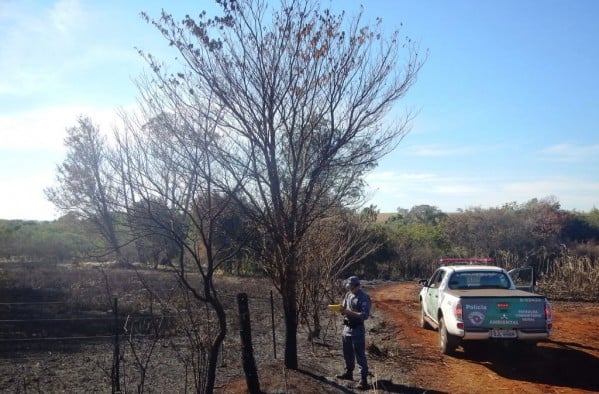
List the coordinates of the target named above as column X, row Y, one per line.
column 54, row 325
column 40, row 321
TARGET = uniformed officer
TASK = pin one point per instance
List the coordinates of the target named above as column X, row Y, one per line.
column 356, row 309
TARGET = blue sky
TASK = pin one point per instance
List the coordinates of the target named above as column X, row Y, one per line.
column 507, row 101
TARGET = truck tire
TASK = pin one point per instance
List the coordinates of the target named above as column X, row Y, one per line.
column 422, row 322
column 447, row 342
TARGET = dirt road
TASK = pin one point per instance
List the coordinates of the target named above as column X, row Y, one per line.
column 568, row 363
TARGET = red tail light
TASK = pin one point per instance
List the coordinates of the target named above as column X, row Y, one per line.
column 548, row 313
column 503, row 305
column 458, row 316
column 458, row 311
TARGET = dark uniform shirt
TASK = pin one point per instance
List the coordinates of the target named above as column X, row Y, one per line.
column 358, row 302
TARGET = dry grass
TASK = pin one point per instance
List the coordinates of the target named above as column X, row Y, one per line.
column 572, row 277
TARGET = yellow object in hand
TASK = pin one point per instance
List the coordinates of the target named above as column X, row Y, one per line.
column 335, row 308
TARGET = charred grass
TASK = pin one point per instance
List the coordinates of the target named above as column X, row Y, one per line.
column 58, row 324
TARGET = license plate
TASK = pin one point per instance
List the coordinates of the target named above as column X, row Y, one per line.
column 504, row 334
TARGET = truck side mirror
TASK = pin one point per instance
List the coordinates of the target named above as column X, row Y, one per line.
column 423, row 282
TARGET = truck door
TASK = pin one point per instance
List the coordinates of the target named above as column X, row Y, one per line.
column 524, row 278
column 432, row 298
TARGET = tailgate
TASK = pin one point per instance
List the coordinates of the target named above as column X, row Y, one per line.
column 503, row 312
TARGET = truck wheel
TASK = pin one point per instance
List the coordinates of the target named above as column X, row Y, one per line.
column 447, row 342
column 423, row 323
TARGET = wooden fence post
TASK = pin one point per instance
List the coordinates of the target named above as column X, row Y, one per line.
column 272, row 320
column 116, row 379
column 247, row 350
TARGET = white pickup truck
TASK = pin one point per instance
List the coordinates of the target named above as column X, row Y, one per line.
column 469, row 300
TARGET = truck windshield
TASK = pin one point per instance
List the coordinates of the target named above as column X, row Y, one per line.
column 478, row 280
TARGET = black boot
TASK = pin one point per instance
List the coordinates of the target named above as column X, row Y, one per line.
column 363, row 385
column 347, row 375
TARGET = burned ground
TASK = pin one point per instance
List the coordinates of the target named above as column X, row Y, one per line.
column 403, row 357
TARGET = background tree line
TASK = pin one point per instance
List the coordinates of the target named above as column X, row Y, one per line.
column 535, row 233
column 399, row 246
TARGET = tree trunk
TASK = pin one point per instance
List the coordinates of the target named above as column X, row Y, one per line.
column 290, row 309
column 247, row 350
column 112, row 239
column 216, row 344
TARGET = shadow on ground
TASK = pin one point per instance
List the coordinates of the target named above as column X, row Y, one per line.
column 390, row 387
column 380, row 386
column 560, row 364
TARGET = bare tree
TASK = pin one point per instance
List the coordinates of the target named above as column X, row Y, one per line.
column 329, row 249
column 168, row 169
column 84, row 181
column 155, row 244
column 300, row 96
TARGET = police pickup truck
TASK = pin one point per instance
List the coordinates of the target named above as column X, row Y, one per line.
column 470, row 300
